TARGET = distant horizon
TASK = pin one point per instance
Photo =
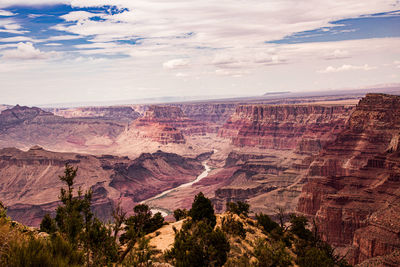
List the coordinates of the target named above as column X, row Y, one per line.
column 380, row 88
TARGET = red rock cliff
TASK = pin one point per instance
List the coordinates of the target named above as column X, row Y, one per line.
column 305, row 128
column 166, row 124
column 353, row 187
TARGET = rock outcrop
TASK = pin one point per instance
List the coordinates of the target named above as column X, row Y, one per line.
column 117, row 113
column 305, row 128
column 165, row 124
column 24, row 127
column 213, row 114
column 353, row 186
column 29, row 183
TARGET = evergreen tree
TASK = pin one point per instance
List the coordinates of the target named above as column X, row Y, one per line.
column 202, row 209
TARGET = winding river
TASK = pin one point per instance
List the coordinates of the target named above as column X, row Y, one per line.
column 166, row 192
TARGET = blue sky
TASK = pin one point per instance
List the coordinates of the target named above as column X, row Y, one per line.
column 88, row 50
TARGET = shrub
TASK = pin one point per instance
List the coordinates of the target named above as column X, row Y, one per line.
column 233, row 227
column 298, row 227
column 180, row 214
column 198, row 244
column 202, row 209
column 36, row 252
column 48, row 225
column 238, row 208
column 273, row 254
column 266, row 222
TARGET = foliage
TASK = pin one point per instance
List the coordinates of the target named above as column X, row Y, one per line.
column 138, row 225
column 298, row 226
column 48, row 224
column 270, row 254
column 202, row 209
column 141, row 255
column 69, row 216
column 239, row 208
column 266, row 222
column 198, row 244
column 180, row 214
column 3, row 210
column 233, row 227
column 36, row 252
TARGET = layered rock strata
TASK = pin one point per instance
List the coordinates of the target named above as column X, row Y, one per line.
column 353, row 186
column 165, row 124
column 24, row 127
column 29, row 183
column 306, row 128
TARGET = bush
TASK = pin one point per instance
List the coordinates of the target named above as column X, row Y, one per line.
column 273, row 254
column 233, row 227
column 238, row 208
column 197, row 244
column 202, row 209
column 266, row 222
column 48, row 225
column 35, row 252
column 298, row 227
column 180, row 214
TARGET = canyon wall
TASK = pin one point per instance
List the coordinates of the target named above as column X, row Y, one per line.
column 165, row 124
column 118, row 113
column 274, row 146
column 306, row 127
column 353, row 186
column 30, row 186
column 24, row 127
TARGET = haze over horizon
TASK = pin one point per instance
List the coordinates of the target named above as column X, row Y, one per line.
column 68, row 51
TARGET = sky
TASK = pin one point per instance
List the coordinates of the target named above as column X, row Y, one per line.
column 66, row 51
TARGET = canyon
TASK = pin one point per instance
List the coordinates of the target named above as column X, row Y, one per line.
column 333, row 159
column 352, row 187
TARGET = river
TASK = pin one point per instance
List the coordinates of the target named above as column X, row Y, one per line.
column 166, row 192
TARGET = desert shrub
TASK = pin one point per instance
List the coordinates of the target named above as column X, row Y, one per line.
column 198, row 244
column 35, row 252
column 48, row 225
column 140, row 255
column 202, row 209
column 241, row 261
column 271, row 254
column 266, row 222
column 3, row 210
column 298, row 226
column 233, row 227
column 180, row 214
column 239, row 208
column 138, row 225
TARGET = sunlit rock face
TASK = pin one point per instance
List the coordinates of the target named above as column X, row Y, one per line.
column 24, row 127
column 30, row 184
column 353, row 186
column 303, row 127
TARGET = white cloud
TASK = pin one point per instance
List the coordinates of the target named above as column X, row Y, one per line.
column 346, row 67
column 16, row 39
column 53, row 44
column 10, row 26
column 63, row 37
column 78, row 16
column 6, row 13
column 337, row 54
column 176, row 63
column 24, row 51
